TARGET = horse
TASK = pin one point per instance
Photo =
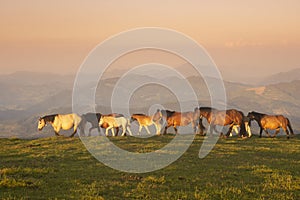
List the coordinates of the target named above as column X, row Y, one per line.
column 145, row 121
column 248, row 129
column 114, row 122
column 59, row 122
column 272, row 122
column 177, row 119
column 215, row 117
column 94, row 118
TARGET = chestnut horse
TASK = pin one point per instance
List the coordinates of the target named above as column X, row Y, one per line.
column 215, row 117
column 177, row 119
column 272, row 122
column 145, row 121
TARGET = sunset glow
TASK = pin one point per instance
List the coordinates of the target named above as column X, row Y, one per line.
column 38, row 35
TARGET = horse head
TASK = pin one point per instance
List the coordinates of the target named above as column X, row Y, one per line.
column 157, row 116
column 101, row 121
column 41, row 123
column 251, row 116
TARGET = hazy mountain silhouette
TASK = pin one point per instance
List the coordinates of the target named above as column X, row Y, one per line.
column 25, row 96
column 282, row 77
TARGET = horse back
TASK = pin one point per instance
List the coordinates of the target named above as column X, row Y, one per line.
column 236, row 115
column 142, row 119
column 273, row 121
column 114, row 121
column 181, row 119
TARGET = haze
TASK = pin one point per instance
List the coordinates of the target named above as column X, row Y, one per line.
column 244, row 38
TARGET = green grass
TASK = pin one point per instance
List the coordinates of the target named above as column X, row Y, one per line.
column 61, row 168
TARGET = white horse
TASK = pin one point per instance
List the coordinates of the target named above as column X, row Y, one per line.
column 59, row 122
column 145, row 121
column 115, row 122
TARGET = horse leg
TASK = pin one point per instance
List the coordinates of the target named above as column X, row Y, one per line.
column 113, row 132
column 248, row 129
column 260, row 132
column 129, row 131
column 98, row 130
column 165, row 131
column 287, row 132
column 201, row 128
column 157, row 129
column 266, row 131
column 75, row 131
column 277, row 131
column 117, row 131
column 229, row 130
column 56, row 131
column 124, row 130
column 106, row 131
column 194, row 127
column 146, row 127
column 90, row 130
column 212, row 129
column 176, row 130
column 73, row 134
column 234, row 129
column 140, row 129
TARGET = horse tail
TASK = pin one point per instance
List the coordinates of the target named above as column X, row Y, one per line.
column 200, row 124
column 290, row 126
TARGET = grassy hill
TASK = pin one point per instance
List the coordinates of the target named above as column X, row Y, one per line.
column 61, row 168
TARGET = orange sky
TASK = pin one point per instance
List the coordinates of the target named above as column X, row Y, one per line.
column 57, row 35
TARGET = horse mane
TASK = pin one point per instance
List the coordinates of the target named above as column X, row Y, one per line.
column 139, row 114
column 49, row 118
column 207, row 108
column 169, row 111
column 257, row 113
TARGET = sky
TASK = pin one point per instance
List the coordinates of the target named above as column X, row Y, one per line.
column 245, row 38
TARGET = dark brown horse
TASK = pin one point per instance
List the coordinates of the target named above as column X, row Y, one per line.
column 177, row 119
column 93, row 119
column 272, row 122
column 229, row 118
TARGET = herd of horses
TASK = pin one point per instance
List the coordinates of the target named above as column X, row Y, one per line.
column 232, row 118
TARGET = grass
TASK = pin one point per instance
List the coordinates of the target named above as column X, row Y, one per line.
column 61, row 168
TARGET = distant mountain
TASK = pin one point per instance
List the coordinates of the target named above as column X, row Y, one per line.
column 22, row 90
column 282, row 77
column 25, row 96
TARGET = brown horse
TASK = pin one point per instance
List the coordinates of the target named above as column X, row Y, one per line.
column 215, row 117
column 272, row 122
column 145, row 121
column 177, row 119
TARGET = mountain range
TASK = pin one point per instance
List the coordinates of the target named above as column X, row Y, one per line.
column 27, row 95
